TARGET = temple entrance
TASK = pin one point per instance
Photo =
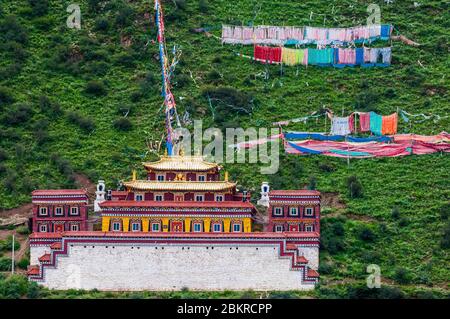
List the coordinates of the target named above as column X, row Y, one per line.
column 176, row 226
column 293, row 227
column 59, row 228
column 179, row 198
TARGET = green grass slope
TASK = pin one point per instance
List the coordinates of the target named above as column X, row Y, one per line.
column 64, row 94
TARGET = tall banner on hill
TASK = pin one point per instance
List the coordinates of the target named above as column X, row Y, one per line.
column 169, row 100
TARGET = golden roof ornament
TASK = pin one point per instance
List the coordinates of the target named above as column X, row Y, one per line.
column 226, row 176
column 134, row 175
column 214, row 186
column 165, row 152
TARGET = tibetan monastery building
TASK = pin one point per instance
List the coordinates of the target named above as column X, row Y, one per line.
column 180, row 194
column 181, row 227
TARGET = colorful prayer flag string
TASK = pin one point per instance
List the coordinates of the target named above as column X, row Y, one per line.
column 166, row 73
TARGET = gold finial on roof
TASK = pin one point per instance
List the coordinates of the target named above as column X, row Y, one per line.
column 181, row 152
column 134, row 175
column 226, row 176
column 165, row 152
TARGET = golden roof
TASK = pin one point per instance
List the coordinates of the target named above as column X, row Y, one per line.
column 180, row 163
column 214, row 186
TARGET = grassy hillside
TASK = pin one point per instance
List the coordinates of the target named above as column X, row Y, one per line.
column 64, row 94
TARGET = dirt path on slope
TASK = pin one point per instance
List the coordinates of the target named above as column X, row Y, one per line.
column 82, row 181
column 332, row 200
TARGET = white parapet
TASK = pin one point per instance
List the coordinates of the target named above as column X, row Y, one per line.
column 137, row 263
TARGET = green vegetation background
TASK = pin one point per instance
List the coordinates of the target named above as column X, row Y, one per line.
column 64, row 94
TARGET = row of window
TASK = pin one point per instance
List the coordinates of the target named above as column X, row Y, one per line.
column 58, row 211
column 197, row 227
column 162, row 178
column 160, row 198
column 293, row 211
column 281, row 228
column 44, row 228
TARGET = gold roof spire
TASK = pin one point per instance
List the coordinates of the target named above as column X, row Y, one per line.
column 181, row 163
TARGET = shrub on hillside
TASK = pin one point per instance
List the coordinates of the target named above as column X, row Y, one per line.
column 203, row 6
column 445, row 241
column 325, row 268
column 366, row 101
column 95, row 88
column 27, row 185
column 11, row 70
column 85, row 123
column 44, row 23
column 445, row 211
column 213, row 77
column 38, row 7
column 3, row 155
column 395, row 213
column 14, row 50
column 123, row 124
column 101, row 24
column 366, row 234
column 402, row 276
column 182, row 80
column 371, row 257
column 403, row 222
column 5, row 264
column 23, row 263
column 94, row 5
column 62, row 164
column 338, row 229
column 7, row 244
column 354, row 187
column 136, row 96
column 413, row 76
column 98, row 68
column 332, row 235
column 230, row 100
column 6, row 96
column 49, row 108
column 18, row 286
column 18, row 114
column 364, row 292
column 390, row 93
column 34, row 290
column 125, row 59
column 10, row 181
column 124, row 17
column 3, row 169
column 312, row 183
column 12, row 30
column 23, row 230
column 327, row 167
column 180, row 4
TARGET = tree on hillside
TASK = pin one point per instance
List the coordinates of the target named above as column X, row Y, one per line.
column 354, row 186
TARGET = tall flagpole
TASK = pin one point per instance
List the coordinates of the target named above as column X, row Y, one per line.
column 169, row 100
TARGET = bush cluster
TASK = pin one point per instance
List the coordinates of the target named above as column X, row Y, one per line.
column 85, row 123
column 332, row 235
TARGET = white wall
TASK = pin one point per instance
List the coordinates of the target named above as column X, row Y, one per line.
column 312, row 254
column 36, row 252
column 172, row 268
